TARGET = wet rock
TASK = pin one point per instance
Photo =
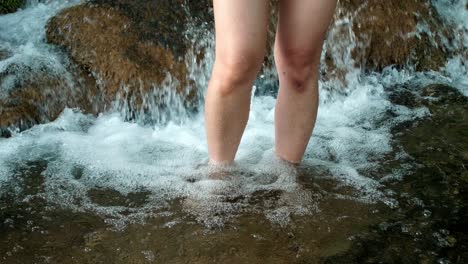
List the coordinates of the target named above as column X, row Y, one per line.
column 9, row 6
column 4, row 54
column 130, row 47
column 109, row 197
column 404, row 96
column 431, row 219
column 29, row 97
column 444, row 95
column 161, row 22
column 94, row 239
column 397, row 33
column 433, row 96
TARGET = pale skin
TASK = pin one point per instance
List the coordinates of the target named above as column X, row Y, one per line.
column 241, row 33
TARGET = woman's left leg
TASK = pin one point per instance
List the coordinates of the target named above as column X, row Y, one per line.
column 302, row 27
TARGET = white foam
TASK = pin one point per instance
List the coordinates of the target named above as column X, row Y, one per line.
column 456, row 13
column 457, row 71
column 128, row 157
column 22, row 34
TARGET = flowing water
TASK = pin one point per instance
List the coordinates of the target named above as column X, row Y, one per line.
column 87, row 189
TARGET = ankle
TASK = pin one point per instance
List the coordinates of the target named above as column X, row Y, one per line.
column 285, row 159
column 221, row 163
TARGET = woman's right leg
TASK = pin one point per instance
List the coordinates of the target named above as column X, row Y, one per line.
column 241, row 32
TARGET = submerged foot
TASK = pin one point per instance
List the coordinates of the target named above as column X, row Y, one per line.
column 215, row 170
column 286, row 161
column 220, row 171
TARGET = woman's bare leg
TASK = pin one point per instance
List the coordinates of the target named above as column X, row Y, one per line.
column 241, row 31
column 302, row 27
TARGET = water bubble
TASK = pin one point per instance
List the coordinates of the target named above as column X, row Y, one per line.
column 149, row 255
column 427, row 213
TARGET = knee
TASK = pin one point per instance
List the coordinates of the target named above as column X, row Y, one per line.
column 297, row 66
column 236, row 69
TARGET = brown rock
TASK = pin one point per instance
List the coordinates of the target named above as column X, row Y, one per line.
column 131, row 47
column 386, row 33
column 38, row 97
column 121, row 49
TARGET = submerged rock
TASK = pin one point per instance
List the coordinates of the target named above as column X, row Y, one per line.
column 431, row 219
column 9, row 6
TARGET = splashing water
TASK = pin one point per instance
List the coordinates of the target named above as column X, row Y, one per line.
column 87, row 154
column 22, row 35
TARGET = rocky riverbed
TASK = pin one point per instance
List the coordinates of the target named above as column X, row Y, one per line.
column 102, row 154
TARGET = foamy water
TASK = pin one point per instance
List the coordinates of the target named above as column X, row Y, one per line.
column 456, row 13
column 22, row 35
column 168, row 161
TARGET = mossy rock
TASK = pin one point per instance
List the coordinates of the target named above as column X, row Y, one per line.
column 10, row 6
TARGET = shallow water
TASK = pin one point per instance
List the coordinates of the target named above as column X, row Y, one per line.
column 383, row 179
